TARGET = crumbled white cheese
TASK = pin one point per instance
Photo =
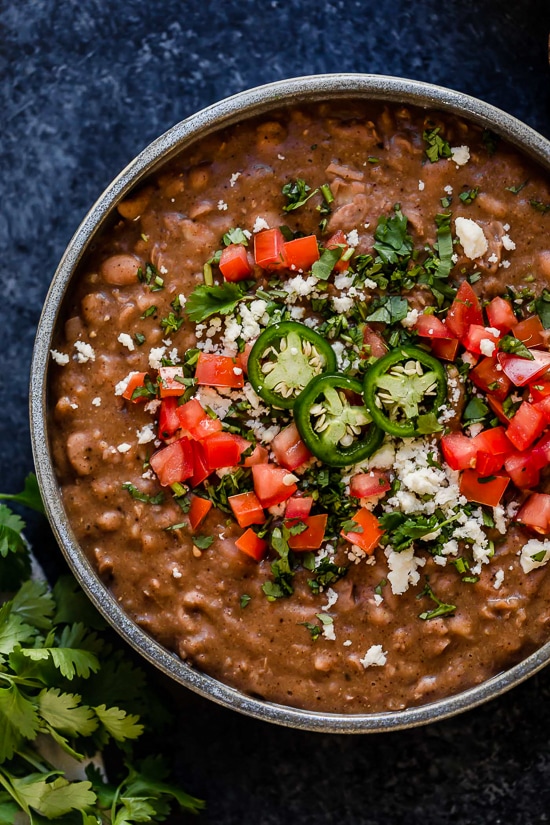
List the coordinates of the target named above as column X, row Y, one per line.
column 343, row 281
column 493, row 258
column 460, row 155
column 504, row 264
column 421, row 185
column 260, row 224
column 487, row 347
column 471, row 237
column 120, row 388
column 299, row 287
column 410, row 318
column 96, row 401
column 499, row 578
column 332, row 598
column 289, row 479
column 222, row 206
column 448, row 189
column 328, row 631
column 508, row 243
column 234, row 178
column 146, row 434
column 155, row 357
column 124, row 447
column 126, row 341
column 342, row 304
column 353, row 238
column 532, row 548
column 375, row 656
column 403, row 569
column 85, row 352
column 59, row 357
column 177, row 574
column 347, row 643
column 219, row 404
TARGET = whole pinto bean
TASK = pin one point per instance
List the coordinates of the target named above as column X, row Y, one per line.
column 120, row 270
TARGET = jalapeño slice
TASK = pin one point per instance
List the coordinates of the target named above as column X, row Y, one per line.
column 334, row 426
column 404, row 390
column 284, row 359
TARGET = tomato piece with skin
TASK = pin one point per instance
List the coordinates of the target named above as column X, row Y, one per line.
column 369, row 484
column 501, row 315
column 169, row 420
column 371, row 533
column 298, row 507
column 464, row 310
column 540, row 389
column 201, row 470
column 218, row 371
column 168, row 382
column 543, row 406
column 522, row 371
column 494, row 441
column 259, row 455
column 198, row 510
column 251, row 544
column 530, row 331
column 301, row 253
column 136, row 380
column 234, row 263
column 247, row 509
column 477, row 336
column 269, row 249
column 483, row 490
column 312, row 537
column 272, row 484
column 222, row 450
column 190, row 414
column 174, row 462
column 526, row 426
column 488, row 464
column 429, row 326
column 540, row 453
column 535, row 513
column 459, row 451
column 289, row 449
column 522, row 470
column 488, row 377
column 445, row 348
column 335, row 241
column 498, row 409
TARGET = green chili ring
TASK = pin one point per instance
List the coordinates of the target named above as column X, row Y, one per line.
column 406, row 390
column 342, row 421
column 284, row 359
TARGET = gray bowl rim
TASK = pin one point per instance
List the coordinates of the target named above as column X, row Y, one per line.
column 246, row 104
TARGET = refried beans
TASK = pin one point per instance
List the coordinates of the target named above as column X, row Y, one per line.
column 299, row 408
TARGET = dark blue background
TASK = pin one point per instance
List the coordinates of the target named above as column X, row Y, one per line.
column 83, row 87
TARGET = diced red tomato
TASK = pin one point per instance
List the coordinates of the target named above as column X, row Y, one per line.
column 540, row 389
column 289, row 449
column 259, row 455
column 494, row 441
column 247, row 509
column 488, row 490
column 298, row 507
column 445, row 348
column 526, row 426
column 201, row 470
column 335, row 241
column 168, row 418
column 474, row 337
column 535, row 513
column 489, row 376
column 464, row 310
column 498, row 409
column 374, row 342
column 522, row 470
column 522, row 371
column 222, row 450
column 539, row 453
column 272, row 484
column 242, row 357
column 199, row 509
column 543, row 406
column 501, row 315
column 251, row 544
column 487, row 464
column 530, row 331
column 371, row 531
column 136, row 380
column 168, row 382
column 301, row 253
column 429, row 326
column 218, row 371
column 372, row 483
column 173, row 463
column 269, row 249
column 190, row 414
column 312, row 537
column 234, row 263
column 459, row 451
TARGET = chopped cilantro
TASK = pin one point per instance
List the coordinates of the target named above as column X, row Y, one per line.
column 469, row 195
column 244, row 601
column 235, row 236
column 540, row 206
column 441, row 609
column 205, row 301
column 141, row 496
column 436, row 146
column 322, row 268
column 510, row 344
column 542, row 308
column 515, row 190
column 392, row 242
column 202, row 542
column 297, row 194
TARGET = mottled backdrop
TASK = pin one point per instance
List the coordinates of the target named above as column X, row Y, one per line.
column 83, row 87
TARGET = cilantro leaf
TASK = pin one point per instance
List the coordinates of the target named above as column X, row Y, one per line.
column 18, row 720
column 542, row 308
column 392, row 242
column 29, row 497
column 11, row 527
column 65, row 712
column 508, row 343
column 297, row 193
column 54, row 798
column 389, row 309
column 121, row 725
column 205, row 301
column 436, row 146
column 322, row 268
column 235, row 235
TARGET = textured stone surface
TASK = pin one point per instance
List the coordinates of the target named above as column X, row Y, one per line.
column 83, row 87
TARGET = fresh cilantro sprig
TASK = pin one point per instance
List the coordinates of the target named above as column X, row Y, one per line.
column 297, row 193
column 205, row 301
